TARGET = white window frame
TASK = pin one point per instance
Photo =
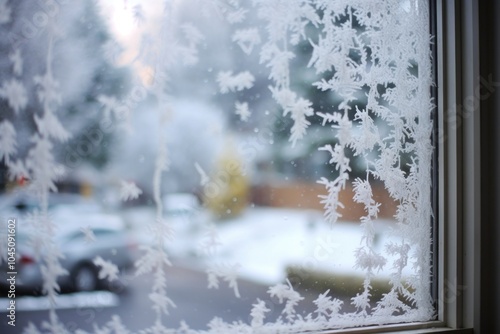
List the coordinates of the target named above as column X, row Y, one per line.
column 459, row 163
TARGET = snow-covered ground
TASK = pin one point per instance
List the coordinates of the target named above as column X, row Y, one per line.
column 263, row 242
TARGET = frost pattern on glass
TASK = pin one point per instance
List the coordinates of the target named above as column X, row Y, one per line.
column 391, row 69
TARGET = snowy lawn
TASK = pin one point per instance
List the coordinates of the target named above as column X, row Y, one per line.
column 263, row 242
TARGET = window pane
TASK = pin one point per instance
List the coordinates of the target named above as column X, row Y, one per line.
column 266, row 163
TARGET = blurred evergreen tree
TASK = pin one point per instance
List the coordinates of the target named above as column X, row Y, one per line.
column 81, row 63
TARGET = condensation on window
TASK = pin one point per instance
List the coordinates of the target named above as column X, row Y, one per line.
column 217, row 166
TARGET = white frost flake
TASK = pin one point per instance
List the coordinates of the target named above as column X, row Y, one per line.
column 234, row 83
column 7, row 141
column 247, row 39
column 129, row 191
column 242, row 110
column 108, row 270
column 17, row 62
column 88, row 234
column 15, row 93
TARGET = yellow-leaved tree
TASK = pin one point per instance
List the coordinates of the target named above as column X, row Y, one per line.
column 226, row 194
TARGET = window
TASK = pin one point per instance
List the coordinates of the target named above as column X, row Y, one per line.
column 215, row 142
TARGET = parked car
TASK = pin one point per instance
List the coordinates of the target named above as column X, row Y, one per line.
column 81, row 238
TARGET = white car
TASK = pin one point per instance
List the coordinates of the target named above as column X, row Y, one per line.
column 81, row 236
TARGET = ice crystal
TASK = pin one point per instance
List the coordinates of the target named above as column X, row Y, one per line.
column 204, row 178
column 298, row 108
column 48, row 91
column 88, row 234
column 40, row 163
column 7, row 141
column 50, row 267
column 108, row 270
column 15, row 93
column 233, row 83
column 285, row 25
column 327, row 306
column 237, row 15
column 242, row 111
column 17, row 62
column 210, row 242
column 113, row 109
column 50, row 126
column 247, row 39
column 31, row 329
column 17, row 170
column 258, row 312
column 129, row 190
column 192, row 34
column 286, row 292
column 43, row 171
column 161, row 302
column 54, row 325
column 139, row 16
column 115, row 326
column 349, row 77
column 354, row 60
column 228, row 273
